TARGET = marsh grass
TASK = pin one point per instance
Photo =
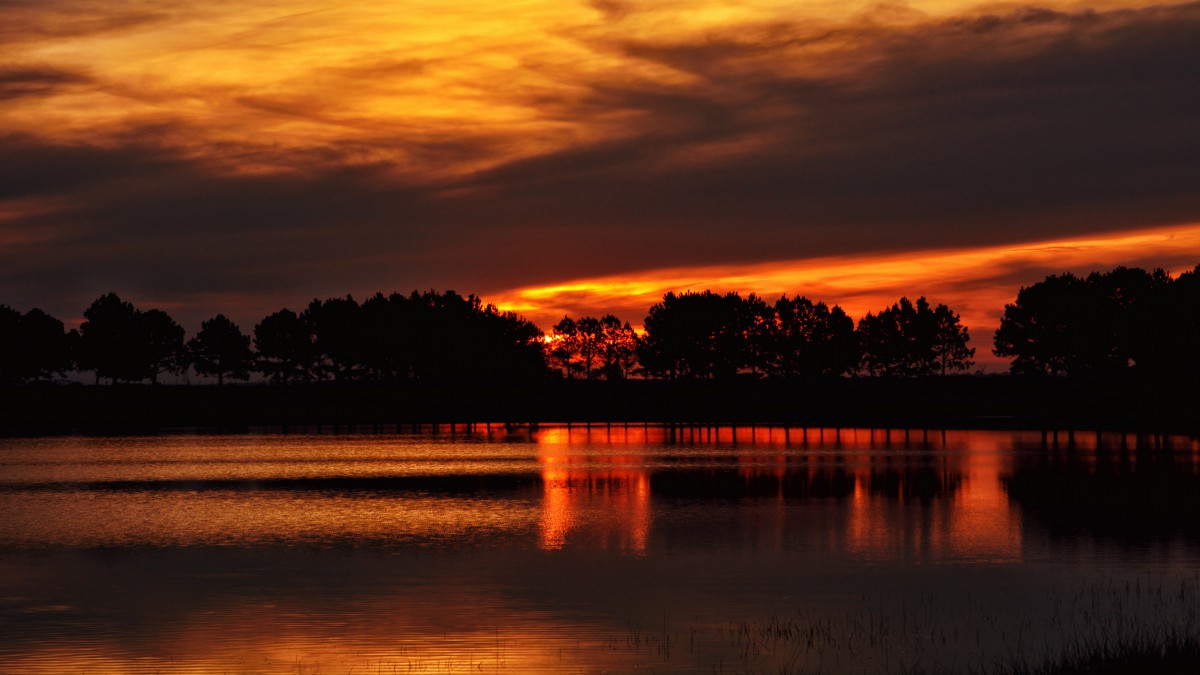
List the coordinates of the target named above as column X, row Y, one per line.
column 1107, row 626
column 1165, row 653
column 1102, row 627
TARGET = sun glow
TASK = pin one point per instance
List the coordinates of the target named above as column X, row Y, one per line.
column 975, row 282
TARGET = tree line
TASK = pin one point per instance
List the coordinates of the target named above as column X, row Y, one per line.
column 1123, row 319
column 428, row 335
column 711, row 336
column 1107, row 322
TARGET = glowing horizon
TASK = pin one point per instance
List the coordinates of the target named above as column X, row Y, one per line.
column 975, row 282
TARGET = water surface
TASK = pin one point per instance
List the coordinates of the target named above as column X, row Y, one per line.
column 587, row 550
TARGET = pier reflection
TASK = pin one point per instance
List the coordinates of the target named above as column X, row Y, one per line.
column 878, row 493
column 1116, row 487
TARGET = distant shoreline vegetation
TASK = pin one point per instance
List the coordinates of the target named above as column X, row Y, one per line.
column 1112, row 324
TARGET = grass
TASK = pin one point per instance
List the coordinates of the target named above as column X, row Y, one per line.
column 1104, row 628
column 1166, row 654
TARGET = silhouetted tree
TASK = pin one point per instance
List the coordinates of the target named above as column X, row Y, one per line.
column 285, row 348
column 431, row 336
column 1045, row 329
column 619, row 354
column 695, row 335
column 33, row 346
column 1105, row 323
column 108, row 340
column 221, row 349
column 949, row 340
column 10, row 355
column 759, row 325
column 390, row 332
column 119, row 342
column 882, row 341
column 1131, row 309
column 812, row 339
column 339, row 336
column 71, row 343
column 590, row 343
column 593, row 346
column 1178, row 328
column 512, row 348
column 1064, row 325
column 461, row 338
column 563, row 351
column 160, row 346
column 913, row 340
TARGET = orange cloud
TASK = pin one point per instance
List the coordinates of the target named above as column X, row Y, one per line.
column 248, row 86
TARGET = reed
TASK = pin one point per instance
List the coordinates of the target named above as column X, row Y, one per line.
column 1163, row 653
column 1101, row 627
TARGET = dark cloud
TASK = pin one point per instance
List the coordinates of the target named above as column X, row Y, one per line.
column 138, row 220
column 382, row 66
column 30, row 21
column 613, row 10
column 30, row 166
column 1049, row 124
column 989, row 129
column 25, row 81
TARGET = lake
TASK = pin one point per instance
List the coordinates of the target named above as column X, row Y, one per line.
column 588, row 550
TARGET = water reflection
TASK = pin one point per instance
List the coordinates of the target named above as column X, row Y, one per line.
column 895, row 492
column 614, row 501
column 1119, row 488
column 899, row 493
column 570, row 549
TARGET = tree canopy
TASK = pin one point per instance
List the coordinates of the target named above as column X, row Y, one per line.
column 705, row 335
column 811, row 339
column 32, row 346
column 285, row 347
column 592, row 347
column 913, row 340
column 425, row 336
column 695, row 336
column 221, row 349
column 1122, row 320
column 1107, row 322
column 120, row 342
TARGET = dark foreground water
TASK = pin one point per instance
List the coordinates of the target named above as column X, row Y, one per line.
column 601, row 550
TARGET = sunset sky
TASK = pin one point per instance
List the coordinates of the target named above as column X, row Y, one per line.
column 565, row 157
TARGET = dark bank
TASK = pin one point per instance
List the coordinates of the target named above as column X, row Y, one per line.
column 982, row 402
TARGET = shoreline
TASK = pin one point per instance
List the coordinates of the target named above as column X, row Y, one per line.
column 957, row 402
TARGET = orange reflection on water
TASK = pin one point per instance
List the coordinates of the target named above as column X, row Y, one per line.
column 907, row 493
column 984, row 522
column 432, row 630
column 608, row 495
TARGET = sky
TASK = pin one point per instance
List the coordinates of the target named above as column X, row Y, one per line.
column 561, row 157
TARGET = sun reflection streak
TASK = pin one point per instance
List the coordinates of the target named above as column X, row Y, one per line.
column 594, row 491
